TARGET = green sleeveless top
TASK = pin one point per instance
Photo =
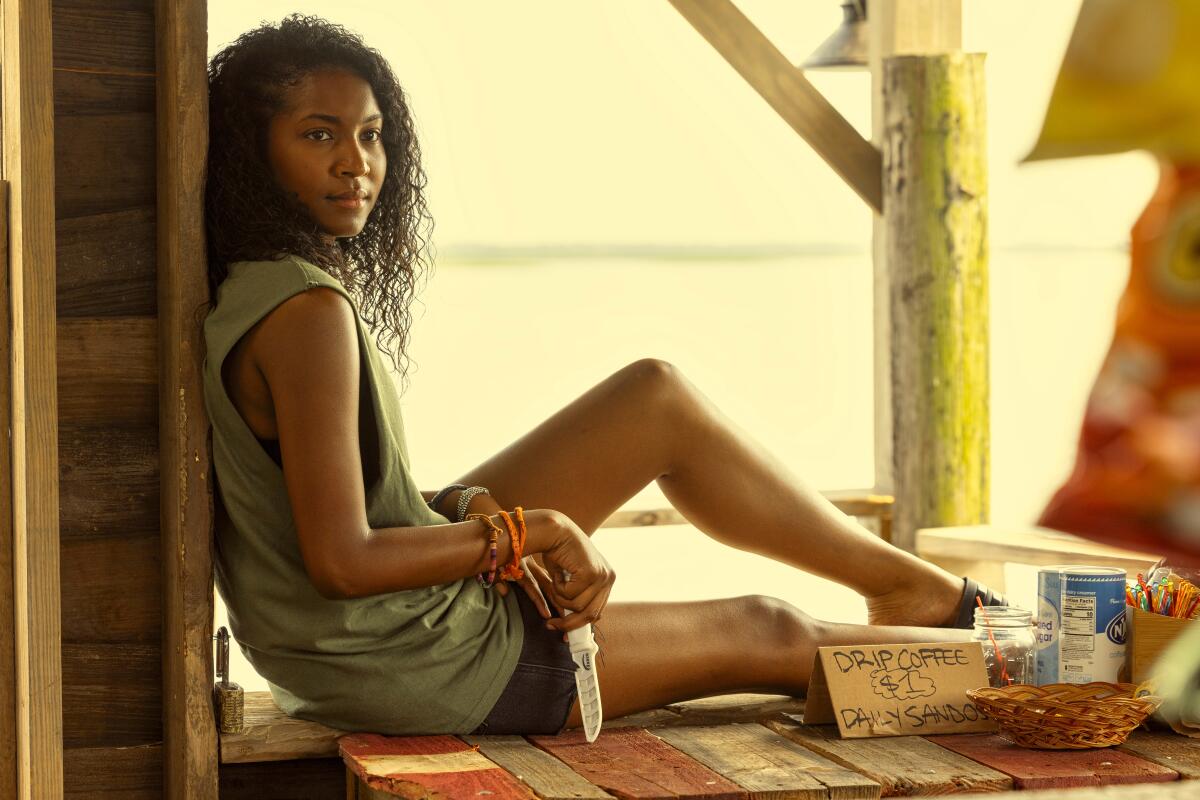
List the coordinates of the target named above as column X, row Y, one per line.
column 420, row 661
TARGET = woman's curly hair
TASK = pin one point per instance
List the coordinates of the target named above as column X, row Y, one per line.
column 249, row 217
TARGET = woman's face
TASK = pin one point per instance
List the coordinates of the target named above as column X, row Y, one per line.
column 329, row 142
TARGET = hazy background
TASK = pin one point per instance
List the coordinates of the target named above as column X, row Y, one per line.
column 606, row 187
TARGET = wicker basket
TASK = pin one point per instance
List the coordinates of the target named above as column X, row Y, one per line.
column 1065, row 716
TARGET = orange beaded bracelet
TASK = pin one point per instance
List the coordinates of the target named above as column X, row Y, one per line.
column 516, row 533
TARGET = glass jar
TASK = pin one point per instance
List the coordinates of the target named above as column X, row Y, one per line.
column 1008, row 643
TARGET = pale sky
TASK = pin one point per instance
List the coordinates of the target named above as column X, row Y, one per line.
column 550, row 123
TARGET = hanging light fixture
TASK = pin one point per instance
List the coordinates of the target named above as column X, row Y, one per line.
column 846, row 47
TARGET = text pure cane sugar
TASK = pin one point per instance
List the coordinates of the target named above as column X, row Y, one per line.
column 1081, row 624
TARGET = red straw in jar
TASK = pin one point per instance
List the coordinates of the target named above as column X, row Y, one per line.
column 1004, row 676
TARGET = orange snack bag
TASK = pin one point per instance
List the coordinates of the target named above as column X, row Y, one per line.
column 1136, row 481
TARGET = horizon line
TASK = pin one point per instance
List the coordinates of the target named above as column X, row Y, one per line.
column 486, row 252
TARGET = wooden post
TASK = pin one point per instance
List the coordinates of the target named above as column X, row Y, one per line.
column 31, row 348
column 8, row 653
column 935, row 193
column 896, row 27
column 189, row 727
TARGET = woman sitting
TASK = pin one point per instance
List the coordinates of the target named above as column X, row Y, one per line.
column 368, row 604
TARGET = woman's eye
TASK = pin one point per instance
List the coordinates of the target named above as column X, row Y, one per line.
column 378, row 135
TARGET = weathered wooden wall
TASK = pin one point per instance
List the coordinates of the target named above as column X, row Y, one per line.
column 8, row 649
column 104, row 133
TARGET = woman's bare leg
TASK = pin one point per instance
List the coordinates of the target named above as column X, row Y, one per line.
column 659, row 653
column 647, row 422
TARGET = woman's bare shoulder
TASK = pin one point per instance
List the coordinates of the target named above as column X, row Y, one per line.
column 318, row 321
column 277, row 343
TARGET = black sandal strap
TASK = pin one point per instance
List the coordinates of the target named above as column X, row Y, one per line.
column 966, row 609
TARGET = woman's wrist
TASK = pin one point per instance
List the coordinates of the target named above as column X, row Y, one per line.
column 463, row 506
column 543, row 527
column 479, row 503
column 484, row 528
column 444, row 501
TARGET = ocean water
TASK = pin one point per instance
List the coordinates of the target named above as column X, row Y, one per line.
column 782, row 344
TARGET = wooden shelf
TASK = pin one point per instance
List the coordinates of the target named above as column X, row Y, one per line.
column 981, row 551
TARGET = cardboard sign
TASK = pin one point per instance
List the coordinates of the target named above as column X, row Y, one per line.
column 897, row 689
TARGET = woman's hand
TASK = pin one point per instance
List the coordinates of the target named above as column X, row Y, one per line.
column 571, row 573
column 533, row 581
column 579, row 579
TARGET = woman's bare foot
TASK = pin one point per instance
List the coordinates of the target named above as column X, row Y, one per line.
column 932, row 603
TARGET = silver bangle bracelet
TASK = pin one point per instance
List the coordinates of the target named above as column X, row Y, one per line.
column 441, row 494
column 464, row 500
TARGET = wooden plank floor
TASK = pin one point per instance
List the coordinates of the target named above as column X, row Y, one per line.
column 903, row 765
column 433, row 766
column 634, row 763
column 1056, row 769
column 766, row 764
column 753, row 746
column 1177, row 752
column 270, row 735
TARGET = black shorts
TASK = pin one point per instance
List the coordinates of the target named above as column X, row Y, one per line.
column 541, row 691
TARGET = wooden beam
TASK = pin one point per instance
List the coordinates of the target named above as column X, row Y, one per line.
column 896, row 27
column 784, row 86
column 850, row 503
column 189, row 728
column 270, row 735
column 28, row 166
column 935, row 191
